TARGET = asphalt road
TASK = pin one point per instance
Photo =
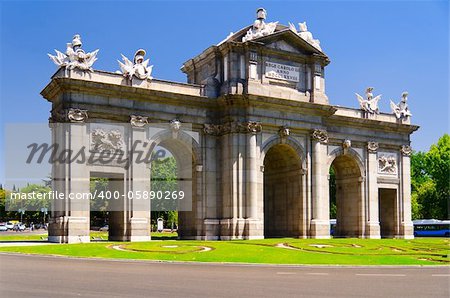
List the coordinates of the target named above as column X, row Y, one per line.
column 42, row 276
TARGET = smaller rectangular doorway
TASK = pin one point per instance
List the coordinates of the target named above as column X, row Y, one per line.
column 108, row 209
column 387, row 200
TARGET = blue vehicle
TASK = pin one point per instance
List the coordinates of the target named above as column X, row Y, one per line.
column 431, row 228
column 332, row 226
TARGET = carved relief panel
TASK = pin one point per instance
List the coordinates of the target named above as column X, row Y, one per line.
column 387, row 163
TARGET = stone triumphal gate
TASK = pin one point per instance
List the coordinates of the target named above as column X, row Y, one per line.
column 264, row 138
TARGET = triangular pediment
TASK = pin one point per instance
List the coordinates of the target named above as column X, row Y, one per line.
column 283, row 45
column 289, row 41
column 282, row 39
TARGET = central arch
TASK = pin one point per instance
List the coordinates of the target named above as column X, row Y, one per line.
column 348, row 178
column 283, row 202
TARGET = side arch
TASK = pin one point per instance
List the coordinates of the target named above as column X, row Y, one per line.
column 182, row 138
column 284, row 209
column 293, row 143
column 187, row 153
column 347, row 192
column 350, row 152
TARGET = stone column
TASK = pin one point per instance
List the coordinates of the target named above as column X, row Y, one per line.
column 252, row 187
column 406, row 225
column 72, row 180
column 372, row 223
column 362, row 207
column 304, row 212
column 211, row 185
column 138, row 218
column 254, row 223
column 229, row 211
column 320, row 223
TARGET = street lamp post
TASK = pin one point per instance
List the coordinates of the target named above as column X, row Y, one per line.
column 22, row 212
column 44, row 211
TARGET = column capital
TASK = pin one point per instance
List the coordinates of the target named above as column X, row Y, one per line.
column 77, row 115
column 212, row 129
column 320, row 135
column 232, row 127
column 138, row 121
column 406, row 150
column 73, row 115
column 251, row 126
column 372, row 147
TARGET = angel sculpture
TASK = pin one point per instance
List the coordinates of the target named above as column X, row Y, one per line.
column 401, row 110
column 138, row 68
column 305, row 34
column 75, row 56
column 370, row 104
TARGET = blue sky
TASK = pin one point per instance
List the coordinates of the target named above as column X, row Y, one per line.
column 391, row 45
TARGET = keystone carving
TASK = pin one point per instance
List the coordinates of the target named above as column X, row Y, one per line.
column 346, row 144
column 175, row 125
column 284, row 131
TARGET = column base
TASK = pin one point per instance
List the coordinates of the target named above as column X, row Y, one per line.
column 69, row 239
column 231, row 228
column 407, row 230
column 254, row 229
column 139, row 229
column 241, row 228
column 139, row 238
column 211, row 229
column 372, row 230
column 320, row 229
column 68, row 229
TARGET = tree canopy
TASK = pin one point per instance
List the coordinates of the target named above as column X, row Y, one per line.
column 430, row 181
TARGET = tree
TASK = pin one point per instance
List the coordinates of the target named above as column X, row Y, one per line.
column 32, row 204
column 164, row 178
column 419, row 170
column 438, row 160
column 430, row 174
column 2, row 204
column 332, row 188
column 98, row 207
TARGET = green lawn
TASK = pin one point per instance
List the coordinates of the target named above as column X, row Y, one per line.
column 422, row 251
column 23, row 236
column 95, row 235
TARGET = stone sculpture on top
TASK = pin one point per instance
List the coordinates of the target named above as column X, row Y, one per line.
column 260, row 28
column 138, row 68
column 75, row 57
column 401, row 110
column 370, row 103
